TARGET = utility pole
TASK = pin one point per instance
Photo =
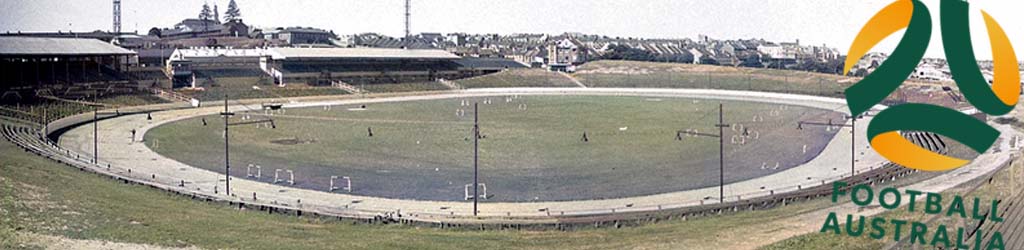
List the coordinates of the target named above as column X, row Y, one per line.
column 721, row 153
column 721, row 149
column 476, row 156
column 227, row 150
column 853, row 137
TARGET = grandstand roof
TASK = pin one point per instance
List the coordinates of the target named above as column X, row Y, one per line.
column 187, row 54
column 286, row 53
column 58, row 46
column 489, row 63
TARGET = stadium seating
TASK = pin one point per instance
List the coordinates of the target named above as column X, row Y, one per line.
column 929, row 141
column 310, row 68
column 1012, row 229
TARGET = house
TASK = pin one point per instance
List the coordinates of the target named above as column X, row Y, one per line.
column 565, row 54
column 457, row 39
column 778, row 56
column 433, row 38
column 698, row 55
column 135, row 42
column 933, row 72
column 299, row 35
column 194, row 27
column 776, row 52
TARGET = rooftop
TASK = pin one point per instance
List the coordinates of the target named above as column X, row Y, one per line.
column 489, row 63
column 286, row 53
column 185, row 54
column 58, row 46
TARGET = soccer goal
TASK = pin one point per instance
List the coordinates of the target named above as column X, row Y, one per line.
column 343, row 180
column 736, row 139
column 249, row 171
column 483, row 191
column 278, row 179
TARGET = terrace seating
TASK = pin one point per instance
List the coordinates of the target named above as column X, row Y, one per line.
column 927, row 140
column 253, row 72
column 1012, row 228
column 382, row 67
column 54, row 109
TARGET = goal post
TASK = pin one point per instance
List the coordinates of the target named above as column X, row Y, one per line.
column 344, row 180
column 469, row 194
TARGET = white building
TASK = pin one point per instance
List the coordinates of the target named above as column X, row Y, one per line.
column 932, row 72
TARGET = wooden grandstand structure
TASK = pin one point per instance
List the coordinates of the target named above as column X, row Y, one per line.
column 69, row 68
column 323, row 66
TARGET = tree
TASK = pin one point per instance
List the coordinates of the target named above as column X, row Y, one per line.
column 232, row 13
column 206, row 13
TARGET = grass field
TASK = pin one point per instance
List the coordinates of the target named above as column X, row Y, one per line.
column 675, row 75
column 45, row 198
column 402, row 87
column 518, row 78
column 422, row 150
column 41, row 197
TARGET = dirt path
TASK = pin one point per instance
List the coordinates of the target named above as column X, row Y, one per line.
column 573, row 79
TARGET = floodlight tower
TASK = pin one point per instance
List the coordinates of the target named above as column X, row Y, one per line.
column 408, row 9
column 117, row 16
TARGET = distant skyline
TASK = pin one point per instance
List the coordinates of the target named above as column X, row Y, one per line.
column 832, row 22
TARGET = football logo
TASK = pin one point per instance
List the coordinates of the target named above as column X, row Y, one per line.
column 914, row 17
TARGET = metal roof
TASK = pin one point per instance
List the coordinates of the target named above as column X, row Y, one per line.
column 58, row 46
column 489, row 63
column 287, row 53
column 186, row 54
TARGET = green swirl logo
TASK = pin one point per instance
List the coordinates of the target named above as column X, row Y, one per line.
column 914, row 16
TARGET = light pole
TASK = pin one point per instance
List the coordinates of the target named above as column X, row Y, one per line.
column 721, row 149
column 227, row 124
column 853, row 136
column 95, row 131
column 46, row 125
column 476, row 156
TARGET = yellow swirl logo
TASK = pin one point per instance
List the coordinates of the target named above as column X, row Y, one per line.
column 883, row 132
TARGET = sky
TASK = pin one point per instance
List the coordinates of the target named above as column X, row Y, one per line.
column 834, row 23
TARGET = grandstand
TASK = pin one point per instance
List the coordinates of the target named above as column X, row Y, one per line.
column 480, row 66
column 186, row 65
column 67, row 67
column 324, row 66
column 1011, row 229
